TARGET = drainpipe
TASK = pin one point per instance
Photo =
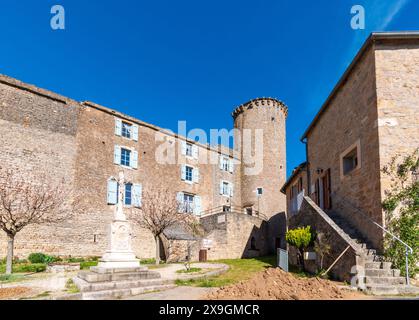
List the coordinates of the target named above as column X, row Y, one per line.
column 307, row 168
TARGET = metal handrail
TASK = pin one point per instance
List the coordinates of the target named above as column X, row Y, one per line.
column 409, row 249
column 232, row 209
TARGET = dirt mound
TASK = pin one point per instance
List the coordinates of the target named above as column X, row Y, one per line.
column 13, row 292
column 275, row 284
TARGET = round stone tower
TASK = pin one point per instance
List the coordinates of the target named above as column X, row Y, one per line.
column 261, row 145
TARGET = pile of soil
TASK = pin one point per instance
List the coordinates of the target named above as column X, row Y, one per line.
column 275, row 284
column 14, row 292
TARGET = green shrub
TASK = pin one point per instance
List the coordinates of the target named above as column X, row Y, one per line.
column 73, row 260
column 88, row 264
column 300, row 238
column 37, row 257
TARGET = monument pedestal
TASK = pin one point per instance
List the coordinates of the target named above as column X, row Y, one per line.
column 120, row 254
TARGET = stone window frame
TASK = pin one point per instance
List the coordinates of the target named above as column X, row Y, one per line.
column 348, row 150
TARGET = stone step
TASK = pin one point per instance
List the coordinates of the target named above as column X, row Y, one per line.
column 85, row 286
column 378, row 265
column 120, row 293
column 385, row 280
column 370, row 272
column 102, row 277
column 377, row 289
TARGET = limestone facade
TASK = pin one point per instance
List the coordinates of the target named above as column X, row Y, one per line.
column 43, row 131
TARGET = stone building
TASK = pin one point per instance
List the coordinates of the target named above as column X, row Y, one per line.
column 371, row 116
column 88, row 145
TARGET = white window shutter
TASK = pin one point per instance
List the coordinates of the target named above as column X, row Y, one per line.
column 183, row 147
column 117, row 155
column 195, row 151
column 221, row 162
column 230, row 187
column 112, row 192
column 134, row 159
column 179, row 198
column 221, row 187
column 183, row 172
column 230, row 165
column 197, row 205
column 137, row 190
column 118, row 126
column 196, row 175
column 134, row 129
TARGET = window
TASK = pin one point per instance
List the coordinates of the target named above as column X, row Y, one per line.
column 225, row 188
column 226, row 164
column 125, row 157
column 249, row 211
column 226, row 208
column 128, row 194
column 126, row 130
column 188, row 173
column 350, row 162
column 188, row 201
column 350, row 159
column 189, row 151
column 259, row 191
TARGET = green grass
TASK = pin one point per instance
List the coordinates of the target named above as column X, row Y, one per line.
column 239, row 269
column 7, row 278
column 71, row 287
column 191, row 270
column 87, row 264
column 25, row 267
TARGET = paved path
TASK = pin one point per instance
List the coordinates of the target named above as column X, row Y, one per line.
column 178, row 293
column 169, row 272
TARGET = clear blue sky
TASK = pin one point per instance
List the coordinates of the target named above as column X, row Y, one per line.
column 164, row 61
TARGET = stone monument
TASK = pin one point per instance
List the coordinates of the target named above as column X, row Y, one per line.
column 119, row 254
column 118, row 272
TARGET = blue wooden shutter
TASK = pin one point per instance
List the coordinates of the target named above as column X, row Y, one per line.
column 112, row 191
column 137, row 195
column 134, row 132
column 117, row 155
column 118, row 126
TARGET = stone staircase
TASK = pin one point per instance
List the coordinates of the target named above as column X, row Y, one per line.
column 101, row 284
column 374, row 274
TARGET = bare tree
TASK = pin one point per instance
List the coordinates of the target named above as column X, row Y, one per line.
column 27, row 199
column 159, row 211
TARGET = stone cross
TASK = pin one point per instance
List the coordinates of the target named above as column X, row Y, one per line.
column 119, row 213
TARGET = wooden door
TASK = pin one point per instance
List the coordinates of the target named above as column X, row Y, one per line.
column 327, row 201
column 203, row 255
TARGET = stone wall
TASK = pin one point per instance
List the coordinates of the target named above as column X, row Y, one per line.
column 350, row 117
column 38, row 136
column 231, row 235
column 397, row 78
column 311, row 215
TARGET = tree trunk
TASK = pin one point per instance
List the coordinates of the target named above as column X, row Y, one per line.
column 302, row 259
column 156, row 238
column 9, row 259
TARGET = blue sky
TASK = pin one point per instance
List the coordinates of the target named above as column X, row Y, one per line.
column 163, row 60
